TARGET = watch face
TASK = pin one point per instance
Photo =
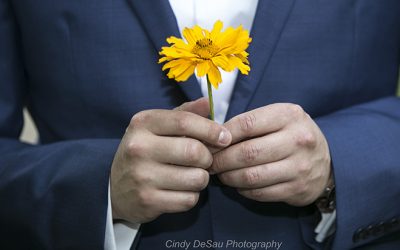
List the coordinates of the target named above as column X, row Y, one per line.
column 326, row 203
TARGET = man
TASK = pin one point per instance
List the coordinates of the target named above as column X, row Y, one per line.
column 318, row 110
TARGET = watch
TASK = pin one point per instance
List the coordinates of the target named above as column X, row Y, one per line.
column 326, row 203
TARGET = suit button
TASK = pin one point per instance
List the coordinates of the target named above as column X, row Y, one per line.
column 394, row 222
column 370, row 229
column 378, row 229
column 361, row 234
column 387, row 226
column 364, row 234
column 356, row 235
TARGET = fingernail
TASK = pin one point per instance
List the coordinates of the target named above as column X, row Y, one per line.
column 224, row 137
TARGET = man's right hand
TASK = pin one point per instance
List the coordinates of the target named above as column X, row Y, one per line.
column 160, row 164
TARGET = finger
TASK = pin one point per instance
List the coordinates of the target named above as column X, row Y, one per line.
column 270, row 148
column 199, row 107
column 175, row 201
column 214, row 150
column 180, row 151
column 259, row 176
column 179, row 178
column 262, row 121
column 275, row 193
column 182, row 123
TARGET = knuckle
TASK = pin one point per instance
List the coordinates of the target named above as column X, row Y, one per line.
column 141, row 177
column 256, row 194
column 250, row 152
column 144, row 199
column 139, row 118
column 300, row 188
column 190, row 201
column 251, row 177
column 182, row 121
column 213, row 132
column 205, row 158
column 303, row 169
column 306, row 138
column 193, row 151
column 295, row 110
column 205, row 179
column 199, row 180
column 247, row 122
column 208, row 159
column 135, row 148
column 218, row 162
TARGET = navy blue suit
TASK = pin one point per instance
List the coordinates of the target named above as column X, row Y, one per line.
column 84, row 68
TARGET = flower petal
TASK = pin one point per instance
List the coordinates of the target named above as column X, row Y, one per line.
column 179, row 66
column 244, row 69
column 186, row 74
column 206, row 52
column 164, row 59
column 173, row 64
column 216, row 31
column 235, row 42
column 199, row 32
column 176, row 52
column 243, row 58
column 192, row 35
column 227, row 39
column 223, row 62
column 214, row 75
column 189, row 35
column 178, row 43
column 202, row 68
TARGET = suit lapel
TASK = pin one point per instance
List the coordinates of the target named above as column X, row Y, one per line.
column 159, row 22
column 270, row 19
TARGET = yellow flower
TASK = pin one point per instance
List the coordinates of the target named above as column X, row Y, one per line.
column 206, row 52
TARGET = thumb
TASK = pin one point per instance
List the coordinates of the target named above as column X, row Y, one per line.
column 198, row 107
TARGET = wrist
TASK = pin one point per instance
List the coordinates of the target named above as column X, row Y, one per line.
column 326, row 203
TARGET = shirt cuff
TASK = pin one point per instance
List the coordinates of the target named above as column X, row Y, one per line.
column 118, row 236
column 326, row 226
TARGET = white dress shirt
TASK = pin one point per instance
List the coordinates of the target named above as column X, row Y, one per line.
column 204, row 13
column 120, row 236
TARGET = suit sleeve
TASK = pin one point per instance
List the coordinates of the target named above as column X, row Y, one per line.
column 52, row 196
column 364, row 142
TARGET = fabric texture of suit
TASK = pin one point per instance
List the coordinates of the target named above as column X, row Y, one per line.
column 83, row 68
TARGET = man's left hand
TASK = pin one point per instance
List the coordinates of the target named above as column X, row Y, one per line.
column 278, row 154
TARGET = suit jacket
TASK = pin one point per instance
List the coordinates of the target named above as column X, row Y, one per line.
column 83, row 68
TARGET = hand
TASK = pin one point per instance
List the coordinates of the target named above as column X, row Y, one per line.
column 160, row 164
column 279, row 155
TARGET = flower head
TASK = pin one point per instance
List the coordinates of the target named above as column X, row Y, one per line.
column 207, row 52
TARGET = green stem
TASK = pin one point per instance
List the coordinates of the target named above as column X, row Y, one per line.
column 210, row 99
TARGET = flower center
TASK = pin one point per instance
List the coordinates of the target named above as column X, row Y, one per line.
column 205, row 48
